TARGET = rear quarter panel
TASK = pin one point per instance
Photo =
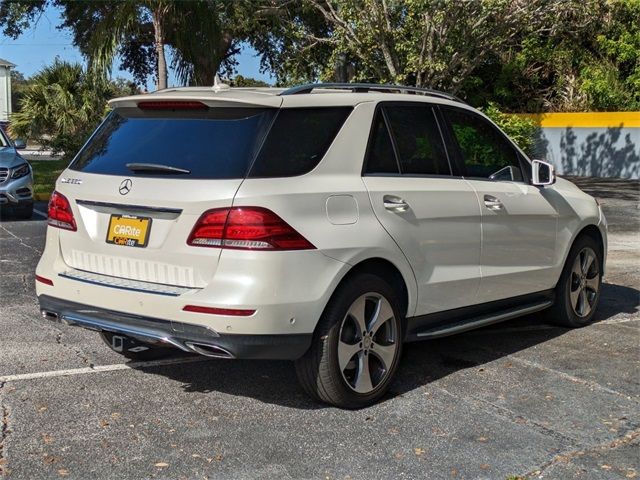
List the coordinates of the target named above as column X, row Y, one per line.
column 350, row 234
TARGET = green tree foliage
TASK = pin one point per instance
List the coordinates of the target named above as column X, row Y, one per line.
column 588, row 58
column 202, row 35
column 240, row 81
column 524, row 55
column 611, row 77
column 520, row 129
column 18, row 85
column 63, row 104
column 418, row 42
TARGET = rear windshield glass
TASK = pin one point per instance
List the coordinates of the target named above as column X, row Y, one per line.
column 298, row 140
column 214, row 144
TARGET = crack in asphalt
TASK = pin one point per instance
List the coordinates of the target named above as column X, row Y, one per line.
column 515, row 418
column 77, row 351
column 566, row 376
column 629, row 438
column 4, row 433
column 20, row 241
column 24, row 284
column 572, row 378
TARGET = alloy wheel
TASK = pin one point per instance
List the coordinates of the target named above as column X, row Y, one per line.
column 368, row 343
column 584, row 283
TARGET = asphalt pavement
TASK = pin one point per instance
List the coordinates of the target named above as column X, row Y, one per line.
column 517, row 399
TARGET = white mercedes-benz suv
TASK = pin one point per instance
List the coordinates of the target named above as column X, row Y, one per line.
column 326, row 224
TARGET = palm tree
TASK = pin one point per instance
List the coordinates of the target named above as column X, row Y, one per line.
column 62, row 105
column 114, row 24
column 191, row 29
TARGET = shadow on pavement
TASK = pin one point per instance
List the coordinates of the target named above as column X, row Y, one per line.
column 274, row 382
column 6, row 218
column 607, row 188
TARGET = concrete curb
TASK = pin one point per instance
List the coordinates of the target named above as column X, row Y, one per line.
column 41, row 197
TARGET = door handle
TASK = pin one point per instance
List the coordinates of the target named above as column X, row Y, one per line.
column 492, row 203
column 395, row 204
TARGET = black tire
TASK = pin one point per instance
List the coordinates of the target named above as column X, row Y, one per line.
column 563, row 312
column 24, row 212
column 319, row 370
column 135, row 350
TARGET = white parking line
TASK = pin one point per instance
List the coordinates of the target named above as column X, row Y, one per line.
column 572, row 378
column 100, row 369
column 38, row 212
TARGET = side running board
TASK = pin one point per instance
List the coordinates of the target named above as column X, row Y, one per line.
column 481, row 321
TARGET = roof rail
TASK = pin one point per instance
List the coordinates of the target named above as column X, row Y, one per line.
column 367, row 87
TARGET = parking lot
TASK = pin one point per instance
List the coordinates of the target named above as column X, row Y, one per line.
column 518, row 399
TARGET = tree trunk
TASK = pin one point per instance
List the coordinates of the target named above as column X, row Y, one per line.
column 157, row 15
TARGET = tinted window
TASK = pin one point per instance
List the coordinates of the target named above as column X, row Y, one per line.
column 217, row 143
column 418, row 141
column 380, row 156
column 298, row 140
column 485, row 152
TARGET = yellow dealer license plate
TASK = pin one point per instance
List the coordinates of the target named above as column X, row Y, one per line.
column 128, row 230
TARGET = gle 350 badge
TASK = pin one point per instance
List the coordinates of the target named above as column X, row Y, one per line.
column 128, row 230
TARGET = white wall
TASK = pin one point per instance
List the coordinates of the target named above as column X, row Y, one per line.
column 592, row 152
column 5, row 93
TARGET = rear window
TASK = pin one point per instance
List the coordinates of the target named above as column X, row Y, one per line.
column 298, row 140
column 214, row 144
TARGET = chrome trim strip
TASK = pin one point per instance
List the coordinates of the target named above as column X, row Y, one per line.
column 125, row 283
column 120, row 207
column 136, row 332
column 483, row 321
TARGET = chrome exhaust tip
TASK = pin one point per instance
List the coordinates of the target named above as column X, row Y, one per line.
column 52, row 316
column 209, row 350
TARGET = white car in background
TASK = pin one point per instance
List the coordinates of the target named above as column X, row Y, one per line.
column 326, row 224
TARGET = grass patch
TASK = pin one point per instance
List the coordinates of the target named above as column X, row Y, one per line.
column 45, row 173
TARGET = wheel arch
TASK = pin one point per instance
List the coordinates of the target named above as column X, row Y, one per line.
column 389, row 272
column 593, row 232
column 590, row 230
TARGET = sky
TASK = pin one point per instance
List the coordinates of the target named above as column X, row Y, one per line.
column 40, row 45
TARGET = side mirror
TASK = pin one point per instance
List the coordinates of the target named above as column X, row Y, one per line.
column 542, row 173
column 19, row 144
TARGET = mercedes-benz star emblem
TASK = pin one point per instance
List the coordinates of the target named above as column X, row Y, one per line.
column 125, row 186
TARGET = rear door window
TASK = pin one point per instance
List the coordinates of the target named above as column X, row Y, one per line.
column 298, row 140
column 218, row 143
column 418, row 141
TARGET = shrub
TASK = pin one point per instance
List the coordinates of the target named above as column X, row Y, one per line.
column 520, row 129
column 62, row 105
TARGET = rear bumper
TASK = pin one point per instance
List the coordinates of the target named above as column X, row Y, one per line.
column 187, row 337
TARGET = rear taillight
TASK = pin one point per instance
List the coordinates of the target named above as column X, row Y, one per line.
column 246, row 228
column 60, row 213
column 44, row 280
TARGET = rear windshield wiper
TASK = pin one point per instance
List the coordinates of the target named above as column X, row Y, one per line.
column 156, row 167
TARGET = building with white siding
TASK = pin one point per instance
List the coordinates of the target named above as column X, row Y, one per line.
column 5, row 89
